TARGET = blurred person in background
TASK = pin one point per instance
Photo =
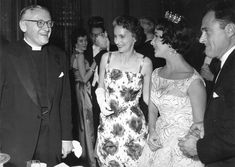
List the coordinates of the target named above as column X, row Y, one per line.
column 83, row 71
column 145, row 48
column 99, row 45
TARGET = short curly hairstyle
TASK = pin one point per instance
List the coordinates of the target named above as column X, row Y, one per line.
column 179, row 36
column 79, row 32
column 132, row 24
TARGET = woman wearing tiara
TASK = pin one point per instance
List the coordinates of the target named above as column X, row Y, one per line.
column 177, row 94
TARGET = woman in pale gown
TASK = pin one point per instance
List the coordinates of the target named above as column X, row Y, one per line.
column 82, row 74
column 177, row 95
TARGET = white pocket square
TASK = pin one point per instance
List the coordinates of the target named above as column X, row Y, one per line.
column 77, row 148
column 215, row 95
column 61, row 75
column 61, row 165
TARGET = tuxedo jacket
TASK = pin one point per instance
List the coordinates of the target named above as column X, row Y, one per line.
column 210, row 84
column 20, row 110
column 217, row 148
column 148, row 51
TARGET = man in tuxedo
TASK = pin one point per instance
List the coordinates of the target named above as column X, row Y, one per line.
column 35, row 109
column 216, row 145
column 100, row 45
column 209, row 71
column 148, row 25
column 146, row 48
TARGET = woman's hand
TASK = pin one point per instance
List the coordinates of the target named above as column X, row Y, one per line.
column 198, row 128
column 154, row 141
column 104, row 107
column 93, row 65
column 67, row 147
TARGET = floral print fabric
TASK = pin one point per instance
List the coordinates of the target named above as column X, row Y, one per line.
column 122, row 135
column 172, row 100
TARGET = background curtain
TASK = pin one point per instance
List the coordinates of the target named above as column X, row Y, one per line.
column 72, row 14
column 9, row 18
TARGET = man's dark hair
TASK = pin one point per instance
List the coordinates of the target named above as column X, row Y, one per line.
column 224, row 11
column 96, row 22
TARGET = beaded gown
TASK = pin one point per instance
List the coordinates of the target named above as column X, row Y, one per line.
column 171, row 98
column 122, row 135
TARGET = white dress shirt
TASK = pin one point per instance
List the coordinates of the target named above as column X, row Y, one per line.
column 32, row 45
column 96, row 50
column 224, row 58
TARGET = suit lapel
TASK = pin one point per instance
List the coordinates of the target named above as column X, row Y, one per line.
column 52, row 65
column 217, row 88
column 226, row 67
column 23, row 68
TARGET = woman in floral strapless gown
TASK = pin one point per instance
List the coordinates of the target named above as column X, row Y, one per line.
column 177, row 94
column 124, row 75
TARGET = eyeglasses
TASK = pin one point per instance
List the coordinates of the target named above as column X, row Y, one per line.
column 102, row 34
column 41, row 23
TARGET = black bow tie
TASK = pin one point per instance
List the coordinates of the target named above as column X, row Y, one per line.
column 215, row 66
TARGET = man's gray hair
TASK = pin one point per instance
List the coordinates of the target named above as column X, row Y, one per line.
column 31, row 7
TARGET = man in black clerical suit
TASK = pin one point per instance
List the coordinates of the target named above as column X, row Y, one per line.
column 216, row 147
column 35, row 109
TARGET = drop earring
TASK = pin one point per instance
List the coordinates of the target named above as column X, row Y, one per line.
column 173, row 52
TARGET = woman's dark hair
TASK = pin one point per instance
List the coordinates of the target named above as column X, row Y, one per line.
column 80, row 32
column 178, row 35
column 132, row 24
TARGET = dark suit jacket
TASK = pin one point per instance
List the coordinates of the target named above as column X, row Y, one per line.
column 147, row 50
column 210, row 84
column 20, row 110
column 217, row 148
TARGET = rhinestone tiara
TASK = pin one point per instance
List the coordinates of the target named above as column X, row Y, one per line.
column 175, row 18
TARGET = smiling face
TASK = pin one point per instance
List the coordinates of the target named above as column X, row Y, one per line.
column 160, row 49
column 81, row 43
column 99, row 38
column 123, row 39
column 213, row 36
column 102, row 40
column 32, row 33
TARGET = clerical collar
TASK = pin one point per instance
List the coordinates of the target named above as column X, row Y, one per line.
column 225, row 56
column 33, row 46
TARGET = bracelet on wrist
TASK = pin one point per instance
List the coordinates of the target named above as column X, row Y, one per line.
column 92, row 69
column 80, row 53
column 151, row 130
